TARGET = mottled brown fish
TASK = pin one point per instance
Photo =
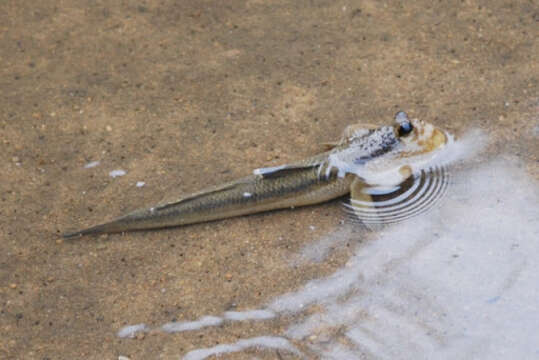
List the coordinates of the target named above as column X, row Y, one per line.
column 364, row 156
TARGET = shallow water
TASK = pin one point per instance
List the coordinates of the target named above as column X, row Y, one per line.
column 181, row 95
column 459, row 281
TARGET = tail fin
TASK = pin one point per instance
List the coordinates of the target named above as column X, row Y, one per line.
column 132, row 221
column 120, row 224
column 94, row 230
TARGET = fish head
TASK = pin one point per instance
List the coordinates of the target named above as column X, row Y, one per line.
column 388, row 155
column 416, row 147
column 404, row 179
column 417, row 137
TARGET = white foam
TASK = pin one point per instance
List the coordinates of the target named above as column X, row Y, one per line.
column 338, row 352
column 270, row 342
column 131, row 330
column 249, row 315
column 204, row 321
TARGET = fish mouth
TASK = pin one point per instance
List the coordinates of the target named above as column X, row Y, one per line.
column 427, row 136
column 438, row 139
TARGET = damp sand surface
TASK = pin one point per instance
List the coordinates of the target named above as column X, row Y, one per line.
column 182, row 95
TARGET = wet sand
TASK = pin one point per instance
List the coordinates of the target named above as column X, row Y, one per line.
column 182, row 95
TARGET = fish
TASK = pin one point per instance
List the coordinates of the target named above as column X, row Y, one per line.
column 365, row 156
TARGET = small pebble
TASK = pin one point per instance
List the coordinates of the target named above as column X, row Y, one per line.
column 116, row 173
column 13, row 286
column 228, row 276
column 91, row 164
column 140, row 183
column 121, row 357
column 108, row 128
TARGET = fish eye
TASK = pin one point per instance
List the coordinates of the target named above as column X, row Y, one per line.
column 405, row 126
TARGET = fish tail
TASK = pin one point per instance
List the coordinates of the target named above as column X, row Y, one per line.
column 110, row 227
column 136, row 220
column 94, row 230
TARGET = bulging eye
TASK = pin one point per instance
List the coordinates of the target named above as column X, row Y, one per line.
column 405, row 126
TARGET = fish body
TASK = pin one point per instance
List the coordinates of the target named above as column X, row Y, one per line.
column 318, row 179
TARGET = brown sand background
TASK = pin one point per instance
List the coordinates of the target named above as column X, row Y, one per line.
column 185, row 94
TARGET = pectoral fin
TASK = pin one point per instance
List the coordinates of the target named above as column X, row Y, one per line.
column 356, row 131
column 382, row 205
column 350, row 132
column 357, row 193
column 361, row 206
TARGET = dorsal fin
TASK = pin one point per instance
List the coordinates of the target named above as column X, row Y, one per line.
column 355, row 131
